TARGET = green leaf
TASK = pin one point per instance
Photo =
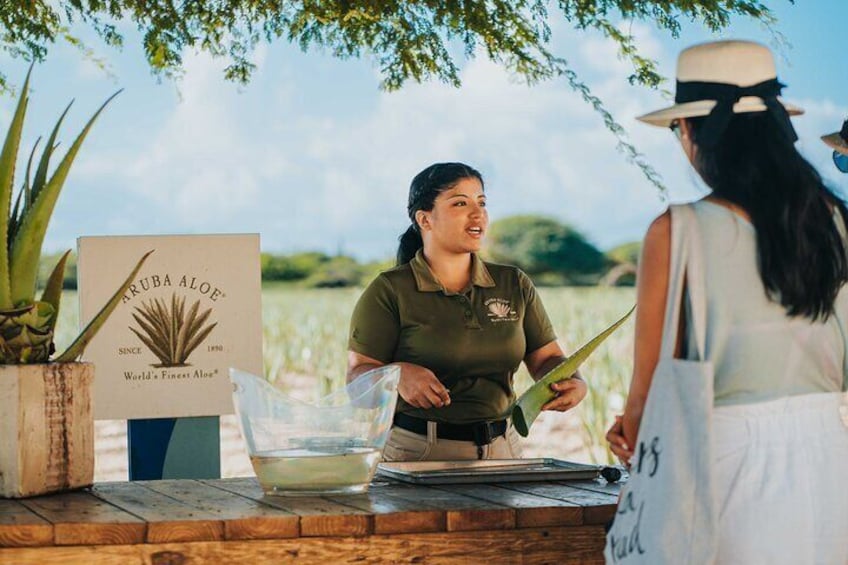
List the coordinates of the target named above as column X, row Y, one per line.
column 26, row 249
column 8, row 157
column 26, row 189
column 528, row 407
column 44, row 162
column 13, row 219
column 53, row 289
column 80, row 343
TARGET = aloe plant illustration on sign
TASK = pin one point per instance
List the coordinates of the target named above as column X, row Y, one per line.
column 169, row 331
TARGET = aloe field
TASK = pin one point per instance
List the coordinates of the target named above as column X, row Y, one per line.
column 305, row 338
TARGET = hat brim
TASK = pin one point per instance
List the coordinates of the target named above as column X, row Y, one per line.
column 746, row 104
column 835, row 141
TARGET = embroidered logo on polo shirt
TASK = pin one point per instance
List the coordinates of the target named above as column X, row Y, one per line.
column 500, row 310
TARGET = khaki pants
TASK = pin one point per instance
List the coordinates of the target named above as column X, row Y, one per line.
column 404, row 445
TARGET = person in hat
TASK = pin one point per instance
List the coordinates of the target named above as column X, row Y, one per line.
column 457, row 326
column 838, row 141
column 774, row 260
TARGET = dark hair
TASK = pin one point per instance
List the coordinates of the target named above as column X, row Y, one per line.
column 800, row 252
column 423, row 190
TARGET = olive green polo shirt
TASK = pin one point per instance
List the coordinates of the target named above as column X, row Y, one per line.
column 473, row 341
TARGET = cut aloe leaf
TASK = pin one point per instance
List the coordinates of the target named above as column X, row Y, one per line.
column 527, row 408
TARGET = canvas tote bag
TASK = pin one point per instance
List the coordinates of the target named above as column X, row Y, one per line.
column 666, row 513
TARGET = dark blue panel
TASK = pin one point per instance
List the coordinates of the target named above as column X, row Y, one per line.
column 148, row 444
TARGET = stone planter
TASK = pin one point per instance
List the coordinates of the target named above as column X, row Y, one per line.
column 46, row 428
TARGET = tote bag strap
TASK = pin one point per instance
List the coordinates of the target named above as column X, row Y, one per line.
column 841, row 307
column 685, row 279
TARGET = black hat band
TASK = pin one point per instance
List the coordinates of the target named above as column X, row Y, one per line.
column 726, row 95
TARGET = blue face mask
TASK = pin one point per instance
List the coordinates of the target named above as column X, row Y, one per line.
column 841, row 161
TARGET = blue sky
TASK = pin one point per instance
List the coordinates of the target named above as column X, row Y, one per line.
column 312, row 155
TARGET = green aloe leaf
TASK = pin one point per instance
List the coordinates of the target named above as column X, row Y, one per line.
column 23, row 196
column 41, row 172
column 53, row 289
column 14, row 218
column 26, row 248
column 8, row 157
column 527, row 408
column 79, row 344
column 27, row 187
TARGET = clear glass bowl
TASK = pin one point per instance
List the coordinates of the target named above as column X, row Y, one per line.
column 329, row 447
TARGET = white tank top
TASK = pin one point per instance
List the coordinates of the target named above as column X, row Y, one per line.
column 759, row 353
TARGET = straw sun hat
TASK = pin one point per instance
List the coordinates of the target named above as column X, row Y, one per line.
column 720, row 78
column 838, row 140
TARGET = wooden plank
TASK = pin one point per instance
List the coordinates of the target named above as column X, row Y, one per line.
column 167, row 519
column 60, row 555
column 598, row 507
column 21, row 527
column 581, row 544
column 596, row 486
column 79, row 518
column 394, row 513
column 243, row 518
column 604, row 510
column 599, row 514
column 318, row 516
column 568, row 545
column 531, row 511
column 464, row 513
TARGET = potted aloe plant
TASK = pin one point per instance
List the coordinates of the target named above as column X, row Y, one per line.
column 46, row 419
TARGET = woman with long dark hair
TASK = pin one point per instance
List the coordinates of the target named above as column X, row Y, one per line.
column 457, row 326
column 773, row 243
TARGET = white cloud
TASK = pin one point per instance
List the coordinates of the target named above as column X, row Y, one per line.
column 204, row 167
column 542, row 149
column 326, row 164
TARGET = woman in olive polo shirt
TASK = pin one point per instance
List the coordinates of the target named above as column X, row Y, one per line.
column 458, row 328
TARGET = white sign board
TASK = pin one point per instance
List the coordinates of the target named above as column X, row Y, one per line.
column 192, row 312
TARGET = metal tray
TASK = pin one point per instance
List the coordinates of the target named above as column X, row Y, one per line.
column 487, row 471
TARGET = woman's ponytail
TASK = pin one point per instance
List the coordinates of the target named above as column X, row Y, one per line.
column 410, row 243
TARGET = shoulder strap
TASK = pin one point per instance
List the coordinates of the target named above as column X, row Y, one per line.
column 840, row 306
column 686, row 272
